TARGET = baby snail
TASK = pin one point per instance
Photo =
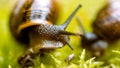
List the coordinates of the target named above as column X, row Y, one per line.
column 32, row 22
column 106, row 29
column 92, row 42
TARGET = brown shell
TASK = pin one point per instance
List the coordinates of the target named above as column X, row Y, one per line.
column 28, row 13
column 107, row 23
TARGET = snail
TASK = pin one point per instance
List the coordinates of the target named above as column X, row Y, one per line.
column 92, row 42
column 32, row 22
column 106, row 29
column 107, row 22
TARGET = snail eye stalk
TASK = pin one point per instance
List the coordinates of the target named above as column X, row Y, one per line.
column 66, row 23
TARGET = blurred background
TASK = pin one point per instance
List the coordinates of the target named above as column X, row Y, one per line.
column 10, row 49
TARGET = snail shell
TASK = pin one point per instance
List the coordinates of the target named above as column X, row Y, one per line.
column 107, row 22
column 28, row 13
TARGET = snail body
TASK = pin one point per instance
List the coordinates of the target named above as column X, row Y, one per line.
column 32, row 23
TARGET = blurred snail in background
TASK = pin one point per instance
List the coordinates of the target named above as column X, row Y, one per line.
column 107, row 23
column 106, row 28
column 32, row 22
column 92, row 42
